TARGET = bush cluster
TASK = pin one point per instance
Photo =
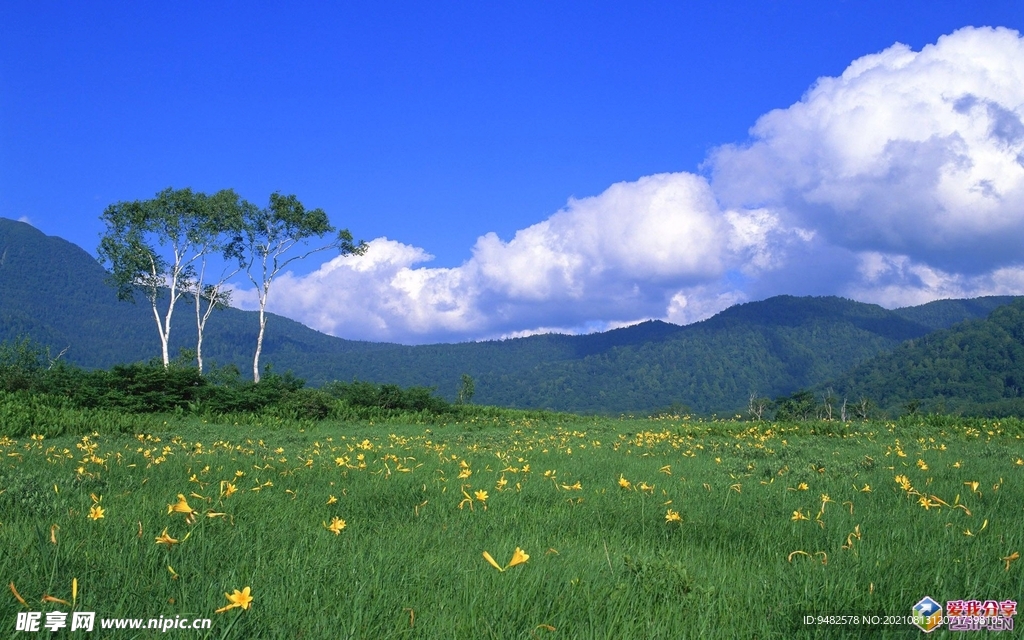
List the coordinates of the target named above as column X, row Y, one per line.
column 33, row 385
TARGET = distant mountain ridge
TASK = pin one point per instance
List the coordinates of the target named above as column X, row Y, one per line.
column 54, row 292
column 974, row 367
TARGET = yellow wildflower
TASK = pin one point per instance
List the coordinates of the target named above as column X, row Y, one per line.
column 17, row 595
column 490, row 560
column 480, row 495
column 625, row 484
column 797, row 515
column 180, row 507
column 241, row 599
column 1010, row 558
column 518, row 557
column 673, row 516
column 164, row 539
column 337, row 524
column 96, row 512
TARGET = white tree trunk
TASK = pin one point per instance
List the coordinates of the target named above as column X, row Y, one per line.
column 259, row 342
column 163, row 336
column 200, row 324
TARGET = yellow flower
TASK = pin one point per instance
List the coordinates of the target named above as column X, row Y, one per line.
column 974, row 484
column 802, row 486
column 1010, row 558
column 229, row 489
column 465, row 473
column 926, row 503
column 673, row 516
column 866, row 489
column 95, row 512
column 331, row 500
column 163, row 538
column 518, row 557
column 922, row 465
column 480, row 495
column 180, row 507
column 16, row 594
column 798, row 516
column 337, row 524
column 573, row 487
column 625, row 484
column 240, row 599
column 490, row 560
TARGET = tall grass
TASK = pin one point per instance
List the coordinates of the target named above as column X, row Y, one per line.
column 604, row 560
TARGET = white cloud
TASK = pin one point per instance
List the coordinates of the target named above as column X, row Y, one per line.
column 899, row 182
column 600, row 262
column 919, row 153
column 897, row 281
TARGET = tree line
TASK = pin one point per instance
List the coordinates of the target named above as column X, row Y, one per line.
column 184, row 246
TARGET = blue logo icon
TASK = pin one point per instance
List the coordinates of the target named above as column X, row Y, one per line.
column 927, row 615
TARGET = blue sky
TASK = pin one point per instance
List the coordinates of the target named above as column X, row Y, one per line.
column 490, row 137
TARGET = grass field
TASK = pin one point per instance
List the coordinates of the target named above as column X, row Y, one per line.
column 666, row 528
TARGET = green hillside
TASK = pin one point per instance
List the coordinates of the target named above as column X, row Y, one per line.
column 975, row 367
column 55, row 293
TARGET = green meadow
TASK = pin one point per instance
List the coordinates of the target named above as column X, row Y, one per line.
column 597, row 527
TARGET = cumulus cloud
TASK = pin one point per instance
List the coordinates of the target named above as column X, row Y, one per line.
column 915, row 153
column 898, row 182
column 603, row 261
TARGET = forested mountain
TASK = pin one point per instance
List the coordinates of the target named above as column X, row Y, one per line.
column 975, row 367
column 55, row 293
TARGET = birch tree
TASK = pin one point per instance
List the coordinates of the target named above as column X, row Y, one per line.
column 154, row 247
column 274, row 232
column 218, row 232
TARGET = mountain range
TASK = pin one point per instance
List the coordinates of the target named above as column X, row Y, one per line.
column 56, row 293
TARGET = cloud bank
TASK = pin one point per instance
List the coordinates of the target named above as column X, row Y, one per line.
column 899, row 182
